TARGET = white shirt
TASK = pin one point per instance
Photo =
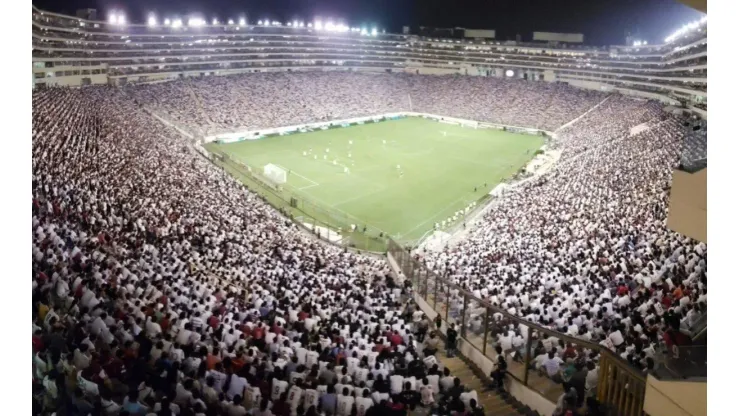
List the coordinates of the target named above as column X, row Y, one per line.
column 616, row 338
column 278, row 388
column 295, row 394
column 396, row 384
column 310, row 398
column 552, row 365
column 363, row 404
column 344, row 405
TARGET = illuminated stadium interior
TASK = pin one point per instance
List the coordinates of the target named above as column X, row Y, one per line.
column 237, row 217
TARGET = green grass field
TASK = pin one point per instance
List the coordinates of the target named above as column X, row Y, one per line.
column 441, row 166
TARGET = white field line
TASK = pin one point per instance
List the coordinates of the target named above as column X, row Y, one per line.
column 432, row 217
column 355, row 198
column 292, row 172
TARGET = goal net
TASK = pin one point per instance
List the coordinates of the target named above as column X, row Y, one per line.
column 275, row 174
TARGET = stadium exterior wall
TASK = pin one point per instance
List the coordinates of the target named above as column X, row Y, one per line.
column 258, row 134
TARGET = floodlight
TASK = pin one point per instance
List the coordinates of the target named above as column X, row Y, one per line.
column 215, row 21
column 644, row 42
column 363, row 31
column 318, row 25
column 290, row 24
column 303, row 24
column 242, row 22
column 177, row 23
column 167, row 22
column 112, row 18
column 374, row 32
column 231, row 21
column 121, row 19
column 152, row 21
column 196, row 22
column 310, row 25
column 259, row 22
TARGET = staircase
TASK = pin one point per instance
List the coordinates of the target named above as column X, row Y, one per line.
column 493, row 402
column 199, row 104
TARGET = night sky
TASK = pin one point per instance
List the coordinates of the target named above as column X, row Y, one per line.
column 601, row 21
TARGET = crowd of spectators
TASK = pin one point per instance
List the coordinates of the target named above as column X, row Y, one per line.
column 584, row 250
column 276, row 99
column 161, row 286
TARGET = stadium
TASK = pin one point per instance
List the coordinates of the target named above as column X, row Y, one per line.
column 300, row 218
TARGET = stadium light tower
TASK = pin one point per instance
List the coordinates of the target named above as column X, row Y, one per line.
column 374, row 32
column 318, row 25
column 152, row 21
column 112, row 18
column 242, row 22
column 215, row 21
column 121, row 19
column 167, row 22
column 231, row 21
column 177, row 23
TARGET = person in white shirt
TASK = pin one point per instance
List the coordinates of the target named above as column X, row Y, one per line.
column 310, row 397
column 447, row 380
column 295, row 396
column 552, row 365
column 345, row 403
column 363, row 403
column 278, row 387
column 253, row 397
column 427, row 393
column 396, row 382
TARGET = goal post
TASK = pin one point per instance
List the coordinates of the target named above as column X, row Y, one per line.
column 275, row 174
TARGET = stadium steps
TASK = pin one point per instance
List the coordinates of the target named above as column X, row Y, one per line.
column 493, row 402
column 199, row 104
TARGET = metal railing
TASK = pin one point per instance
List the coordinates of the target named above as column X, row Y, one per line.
column 620, row 387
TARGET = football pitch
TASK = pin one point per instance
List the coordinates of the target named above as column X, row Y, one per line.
column 398, row 176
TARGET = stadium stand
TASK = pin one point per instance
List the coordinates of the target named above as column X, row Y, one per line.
column 163, row 286
column 254, row 101
column 592, row 232
column 71, row 51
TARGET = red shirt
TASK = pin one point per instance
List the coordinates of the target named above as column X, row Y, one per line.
column 258, row 333
column 211, row 361
column 38, row 344
column 680, row 338
column 213, row 322
column 622, row 290
column 395, row 339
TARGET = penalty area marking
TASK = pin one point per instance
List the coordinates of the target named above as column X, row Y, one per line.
column 292, row 172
